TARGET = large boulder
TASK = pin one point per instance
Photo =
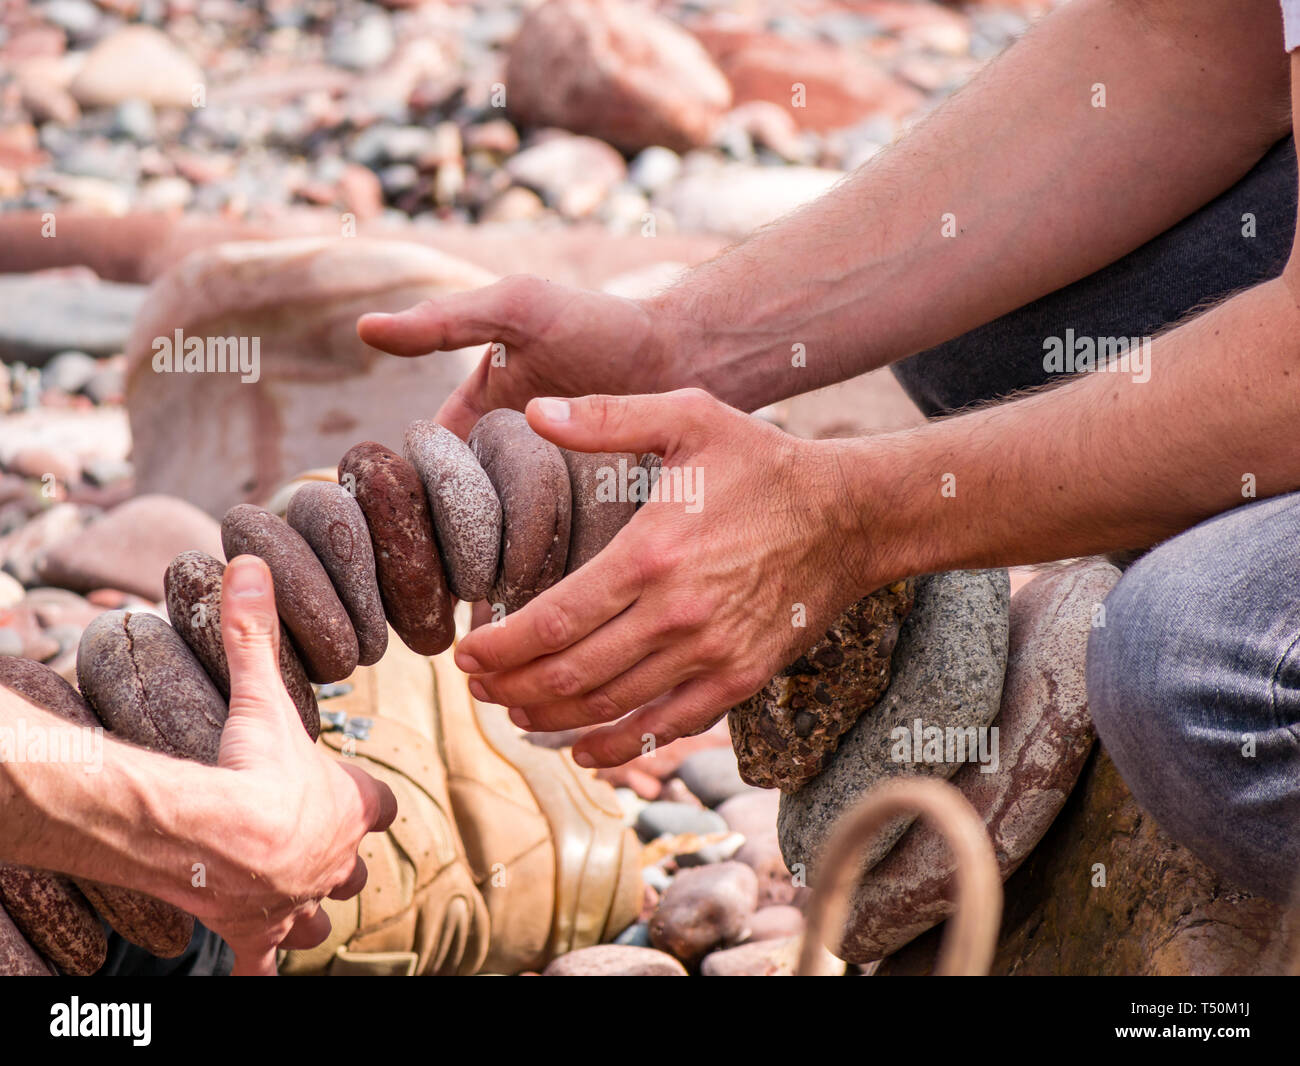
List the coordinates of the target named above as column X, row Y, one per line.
column 948, row 671
column 218, row 438
column 617, row 71
column 1107, row 892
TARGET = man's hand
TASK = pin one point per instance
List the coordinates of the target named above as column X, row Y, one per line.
column 298, row 815
column 544, row 340
column 746, row 558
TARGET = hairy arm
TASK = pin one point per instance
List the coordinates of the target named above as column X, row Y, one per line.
column 1044, row 188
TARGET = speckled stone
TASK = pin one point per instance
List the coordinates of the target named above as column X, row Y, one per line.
column 192, row 587
column 412, row 584
column 304, row 596
column 147, row 687
column 597, row 511
column 331, row 522
column 948, row 669
column 54, row 917
column 465, row 509
column 19, row 959
column 158, row 927
column 532, row 484
column 1044, row 736
column 786, row 733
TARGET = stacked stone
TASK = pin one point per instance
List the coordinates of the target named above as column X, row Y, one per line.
column 500, row 517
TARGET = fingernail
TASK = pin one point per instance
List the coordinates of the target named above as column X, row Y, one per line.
column 584, row 760
column 248, row 579
column 468, row 663
column 479, row 692
column 520, row 717
column 554, row 410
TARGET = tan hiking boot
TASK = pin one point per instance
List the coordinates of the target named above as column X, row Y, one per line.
column 557, row 867
column 420, row 912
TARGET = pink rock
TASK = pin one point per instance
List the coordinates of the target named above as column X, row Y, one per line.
column 839, row 87
column 42, row 463
column 137, row 62
column 774, row 923
column 765, row 958
column 318, row 388
column 573, row 174
column 130, row 546
column 705, row 907
column 615, row 960
column 776, row 884
column 617, row 71
column 22, row 550
column 752, row 813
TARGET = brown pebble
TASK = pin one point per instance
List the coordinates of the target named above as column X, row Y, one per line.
column 331, row 523
column 147, row 687
column 532, row 482
column 411, row 580
column 317, row 622
column 193, row 593
column 601, row 503
column 54, row 917
column 463, row 504
column 158, row 927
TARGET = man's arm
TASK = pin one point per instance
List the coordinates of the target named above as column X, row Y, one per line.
column 275, row 824
column 1043, row 188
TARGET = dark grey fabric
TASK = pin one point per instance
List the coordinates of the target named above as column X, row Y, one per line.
column 1202, row 259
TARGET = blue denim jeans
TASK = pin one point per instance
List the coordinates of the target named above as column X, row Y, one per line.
column 1194, row 679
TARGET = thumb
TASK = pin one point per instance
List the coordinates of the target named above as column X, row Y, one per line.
column 254, row 962
column 250, row 631
column 663, row 423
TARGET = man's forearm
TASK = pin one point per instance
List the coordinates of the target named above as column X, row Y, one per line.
column 112, row 813
column 1101, row 463
column 1042, row 188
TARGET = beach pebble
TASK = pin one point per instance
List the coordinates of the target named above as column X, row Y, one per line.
column 704, row 909
column 663, row 816
column 463, row 504
column 193, row 596
column 414, row 590
column 598, row 512
column 147, row 687
column 331, row 523
column 304, row 595
column 615, row 960
column 532, row 483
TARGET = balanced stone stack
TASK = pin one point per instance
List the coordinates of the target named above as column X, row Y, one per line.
column 504, row 516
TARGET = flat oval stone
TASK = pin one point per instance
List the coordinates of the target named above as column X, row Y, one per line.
column 600, row 501
column 411, row 580
column 147, row 687
column 465, row 509
column 192, row 588
column 331, row 522
column 304, row 596
column 1044, row 736
column 947, row 673
column 532, row 482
